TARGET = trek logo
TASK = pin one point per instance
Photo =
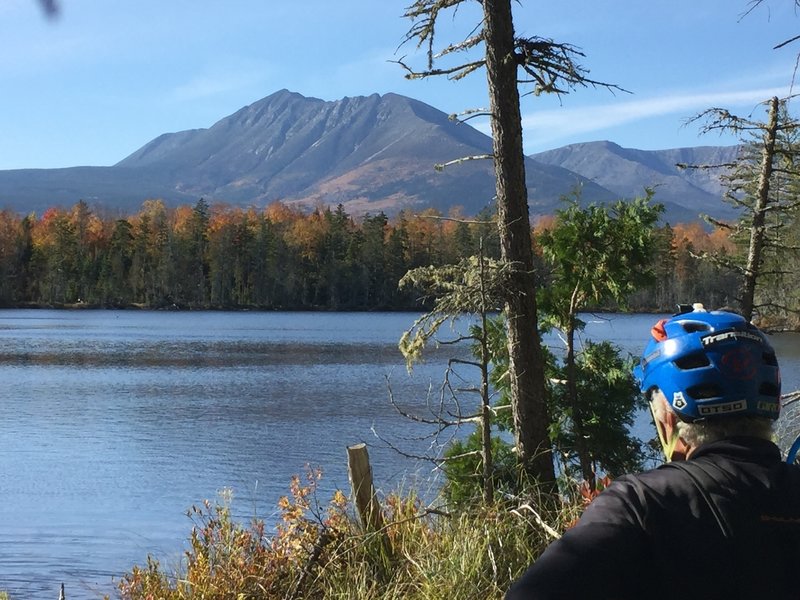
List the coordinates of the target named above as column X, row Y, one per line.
column 739, row 363
column 732, row 335
column 720, row 409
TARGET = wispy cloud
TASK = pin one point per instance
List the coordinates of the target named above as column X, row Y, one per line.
column 561, row 123
column 215, row 83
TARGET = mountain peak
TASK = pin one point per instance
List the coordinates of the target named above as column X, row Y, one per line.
column 370, row 153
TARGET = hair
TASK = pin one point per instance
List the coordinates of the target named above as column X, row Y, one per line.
column 713, row 430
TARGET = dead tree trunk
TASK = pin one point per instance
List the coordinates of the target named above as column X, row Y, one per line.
column 758, row 227
column 526, row 369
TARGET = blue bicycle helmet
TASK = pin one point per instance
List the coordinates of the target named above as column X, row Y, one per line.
column 711, row 365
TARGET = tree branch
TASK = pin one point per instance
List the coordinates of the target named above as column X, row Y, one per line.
column 454, row 73
column 553, row 66
column 787, row 42
column 442, row 166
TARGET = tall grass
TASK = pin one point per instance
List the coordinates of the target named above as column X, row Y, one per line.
column 321, row 551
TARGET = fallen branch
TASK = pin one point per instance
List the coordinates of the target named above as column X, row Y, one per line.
column 547, row 529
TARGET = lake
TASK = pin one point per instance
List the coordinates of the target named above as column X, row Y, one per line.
column 116, row 422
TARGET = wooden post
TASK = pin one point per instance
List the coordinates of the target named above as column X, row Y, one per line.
column 363, row 490
column 61, row 595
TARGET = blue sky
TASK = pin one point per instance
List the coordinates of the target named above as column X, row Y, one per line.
column 107, row 76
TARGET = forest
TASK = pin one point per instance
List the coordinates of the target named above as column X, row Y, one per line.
column 215, row 256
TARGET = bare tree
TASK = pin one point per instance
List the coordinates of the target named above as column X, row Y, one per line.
column 509, row 61
column 753, row 4
column 474, row 286
column 761, row 183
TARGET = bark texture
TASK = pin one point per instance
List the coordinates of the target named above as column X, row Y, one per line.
column 758, row 227
column 526, row 365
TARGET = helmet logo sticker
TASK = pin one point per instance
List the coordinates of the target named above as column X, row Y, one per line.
column 732, row 335
column 739, row 364
column 651, row 357
column 678, row 401
column 769, row 406
column 719, row 409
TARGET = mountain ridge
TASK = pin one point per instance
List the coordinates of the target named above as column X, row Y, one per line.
column 628, row 171
column 369, row 153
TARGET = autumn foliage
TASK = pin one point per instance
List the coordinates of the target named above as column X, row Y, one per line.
column 317, row 550
column 279, row 257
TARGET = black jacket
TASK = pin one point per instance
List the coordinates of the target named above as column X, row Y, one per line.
column 725, row 525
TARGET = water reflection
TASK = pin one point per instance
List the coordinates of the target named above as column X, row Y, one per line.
column 115, row 423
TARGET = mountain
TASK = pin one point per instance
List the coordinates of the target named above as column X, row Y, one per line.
column 626, row 172
column 368, row 153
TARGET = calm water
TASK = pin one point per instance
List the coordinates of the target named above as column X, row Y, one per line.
column 115, row 422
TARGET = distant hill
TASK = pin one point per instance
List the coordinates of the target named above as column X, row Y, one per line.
column 370, row 154
column 626, row 172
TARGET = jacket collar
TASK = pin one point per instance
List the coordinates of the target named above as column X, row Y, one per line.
column 751, row 449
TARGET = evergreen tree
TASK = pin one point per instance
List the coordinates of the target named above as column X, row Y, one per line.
column 116, row 272
column 20, row 276
column 598, row 255
column 195, row 255
column 379, row 286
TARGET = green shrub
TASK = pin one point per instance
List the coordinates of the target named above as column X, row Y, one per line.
column 463, row 469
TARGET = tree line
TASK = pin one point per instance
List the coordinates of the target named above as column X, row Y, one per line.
column 281, row 258
column 217, row 256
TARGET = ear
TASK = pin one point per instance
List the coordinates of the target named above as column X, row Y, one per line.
column 665, row 418
column 680, row 450
column 667, row 422
column 669, row 417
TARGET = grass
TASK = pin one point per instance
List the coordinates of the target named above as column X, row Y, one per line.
column 324, row 552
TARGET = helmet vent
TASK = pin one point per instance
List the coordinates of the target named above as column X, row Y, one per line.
column 695, row 326
column 693, row 361
column 704, row 391
column 769, row 389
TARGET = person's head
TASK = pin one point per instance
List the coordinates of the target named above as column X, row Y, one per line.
column 709, row 376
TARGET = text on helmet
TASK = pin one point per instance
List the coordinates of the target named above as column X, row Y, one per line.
column 718, row 409
column 731, row 335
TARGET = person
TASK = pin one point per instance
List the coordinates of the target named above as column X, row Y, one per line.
column 719, row 520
